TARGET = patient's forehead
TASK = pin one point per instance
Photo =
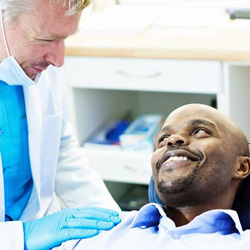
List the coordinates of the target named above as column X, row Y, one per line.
column 191, row 112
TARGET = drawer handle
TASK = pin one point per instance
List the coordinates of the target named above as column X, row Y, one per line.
column 131, row 168
column 130, row 74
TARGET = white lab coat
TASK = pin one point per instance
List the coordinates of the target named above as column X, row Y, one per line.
column 60, row 170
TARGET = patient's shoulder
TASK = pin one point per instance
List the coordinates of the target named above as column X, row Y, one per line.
column 128, row 214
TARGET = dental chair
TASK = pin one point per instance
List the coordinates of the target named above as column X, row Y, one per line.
column 241, row 203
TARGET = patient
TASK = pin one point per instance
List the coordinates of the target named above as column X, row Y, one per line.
column 201, row 160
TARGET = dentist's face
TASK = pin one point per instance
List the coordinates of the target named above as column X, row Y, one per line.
column 36, row 39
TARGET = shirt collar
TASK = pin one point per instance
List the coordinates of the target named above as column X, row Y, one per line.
column 149, row 215
column 217, row 220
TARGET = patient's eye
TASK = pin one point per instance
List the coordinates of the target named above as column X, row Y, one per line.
column 201, row 132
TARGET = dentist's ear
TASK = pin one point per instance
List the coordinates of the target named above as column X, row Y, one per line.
column 243, row 168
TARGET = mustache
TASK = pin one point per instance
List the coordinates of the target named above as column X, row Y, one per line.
column 172, row 148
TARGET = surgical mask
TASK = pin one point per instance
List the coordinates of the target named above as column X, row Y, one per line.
column 10, row 71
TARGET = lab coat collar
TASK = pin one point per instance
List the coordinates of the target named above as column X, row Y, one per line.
column 34, row 118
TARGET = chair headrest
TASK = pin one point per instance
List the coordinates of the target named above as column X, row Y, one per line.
column 241, row 203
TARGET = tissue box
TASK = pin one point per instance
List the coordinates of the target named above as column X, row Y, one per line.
column 140, row 134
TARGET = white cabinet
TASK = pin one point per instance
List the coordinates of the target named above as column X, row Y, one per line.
column 106, row 88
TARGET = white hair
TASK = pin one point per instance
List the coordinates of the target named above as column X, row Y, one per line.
column 12, row 9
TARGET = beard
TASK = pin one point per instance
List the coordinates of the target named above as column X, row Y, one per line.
column 178, row 184
column 181, row 190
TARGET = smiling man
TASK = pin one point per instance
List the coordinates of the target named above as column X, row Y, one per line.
column 200, row 162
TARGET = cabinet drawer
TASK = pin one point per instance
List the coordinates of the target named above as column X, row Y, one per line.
column 187, row 76
column 121, row 166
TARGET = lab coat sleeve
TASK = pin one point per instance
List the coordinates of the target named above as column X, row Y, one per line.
column 76, row 183
column 11, row 235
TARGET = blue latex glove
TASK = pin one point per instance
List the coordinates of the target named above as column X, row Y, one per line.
column 70, row 223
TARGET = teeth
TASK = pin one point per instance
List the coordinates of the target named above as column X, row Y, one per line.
column 177, row 158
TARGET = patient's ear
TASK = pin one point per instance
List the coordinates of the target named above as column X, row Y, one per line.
column 243, row 167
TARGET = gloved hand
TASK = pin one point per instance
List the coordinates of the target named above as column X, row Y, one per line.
column 70, row 223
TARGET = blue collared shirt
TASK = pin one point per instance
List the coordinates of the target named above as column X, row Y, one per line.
column 14, row 150
column 152, row 229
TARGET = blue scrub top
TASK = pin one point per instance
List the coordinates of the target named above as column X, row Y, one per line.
column 14, row 149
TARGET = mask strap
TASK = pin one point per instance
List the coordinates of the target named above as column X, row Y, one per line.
column 4, row 37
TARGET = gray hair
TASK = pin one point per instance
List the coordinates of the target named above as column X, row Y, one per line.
column 12, row 9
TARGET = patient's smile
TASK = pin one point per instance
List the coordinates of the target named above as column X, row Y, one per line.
column 177, row 158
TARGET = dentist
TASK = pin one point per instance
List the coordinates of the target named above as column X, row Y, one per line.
column 42, row 168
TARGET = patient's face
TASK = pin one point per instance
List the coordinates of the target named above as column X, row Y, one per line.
column 195, row 156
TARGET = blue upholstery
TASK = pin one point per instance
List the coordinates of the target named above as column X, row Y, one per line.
column 241, row 204
column 152, row 195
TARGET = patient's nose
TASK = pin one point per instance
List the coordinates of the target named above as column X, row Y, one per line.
column 177, row 139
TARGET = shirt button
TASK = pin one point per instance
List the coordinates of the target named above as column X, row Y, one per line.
column 175, row 236
column 1, row 132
